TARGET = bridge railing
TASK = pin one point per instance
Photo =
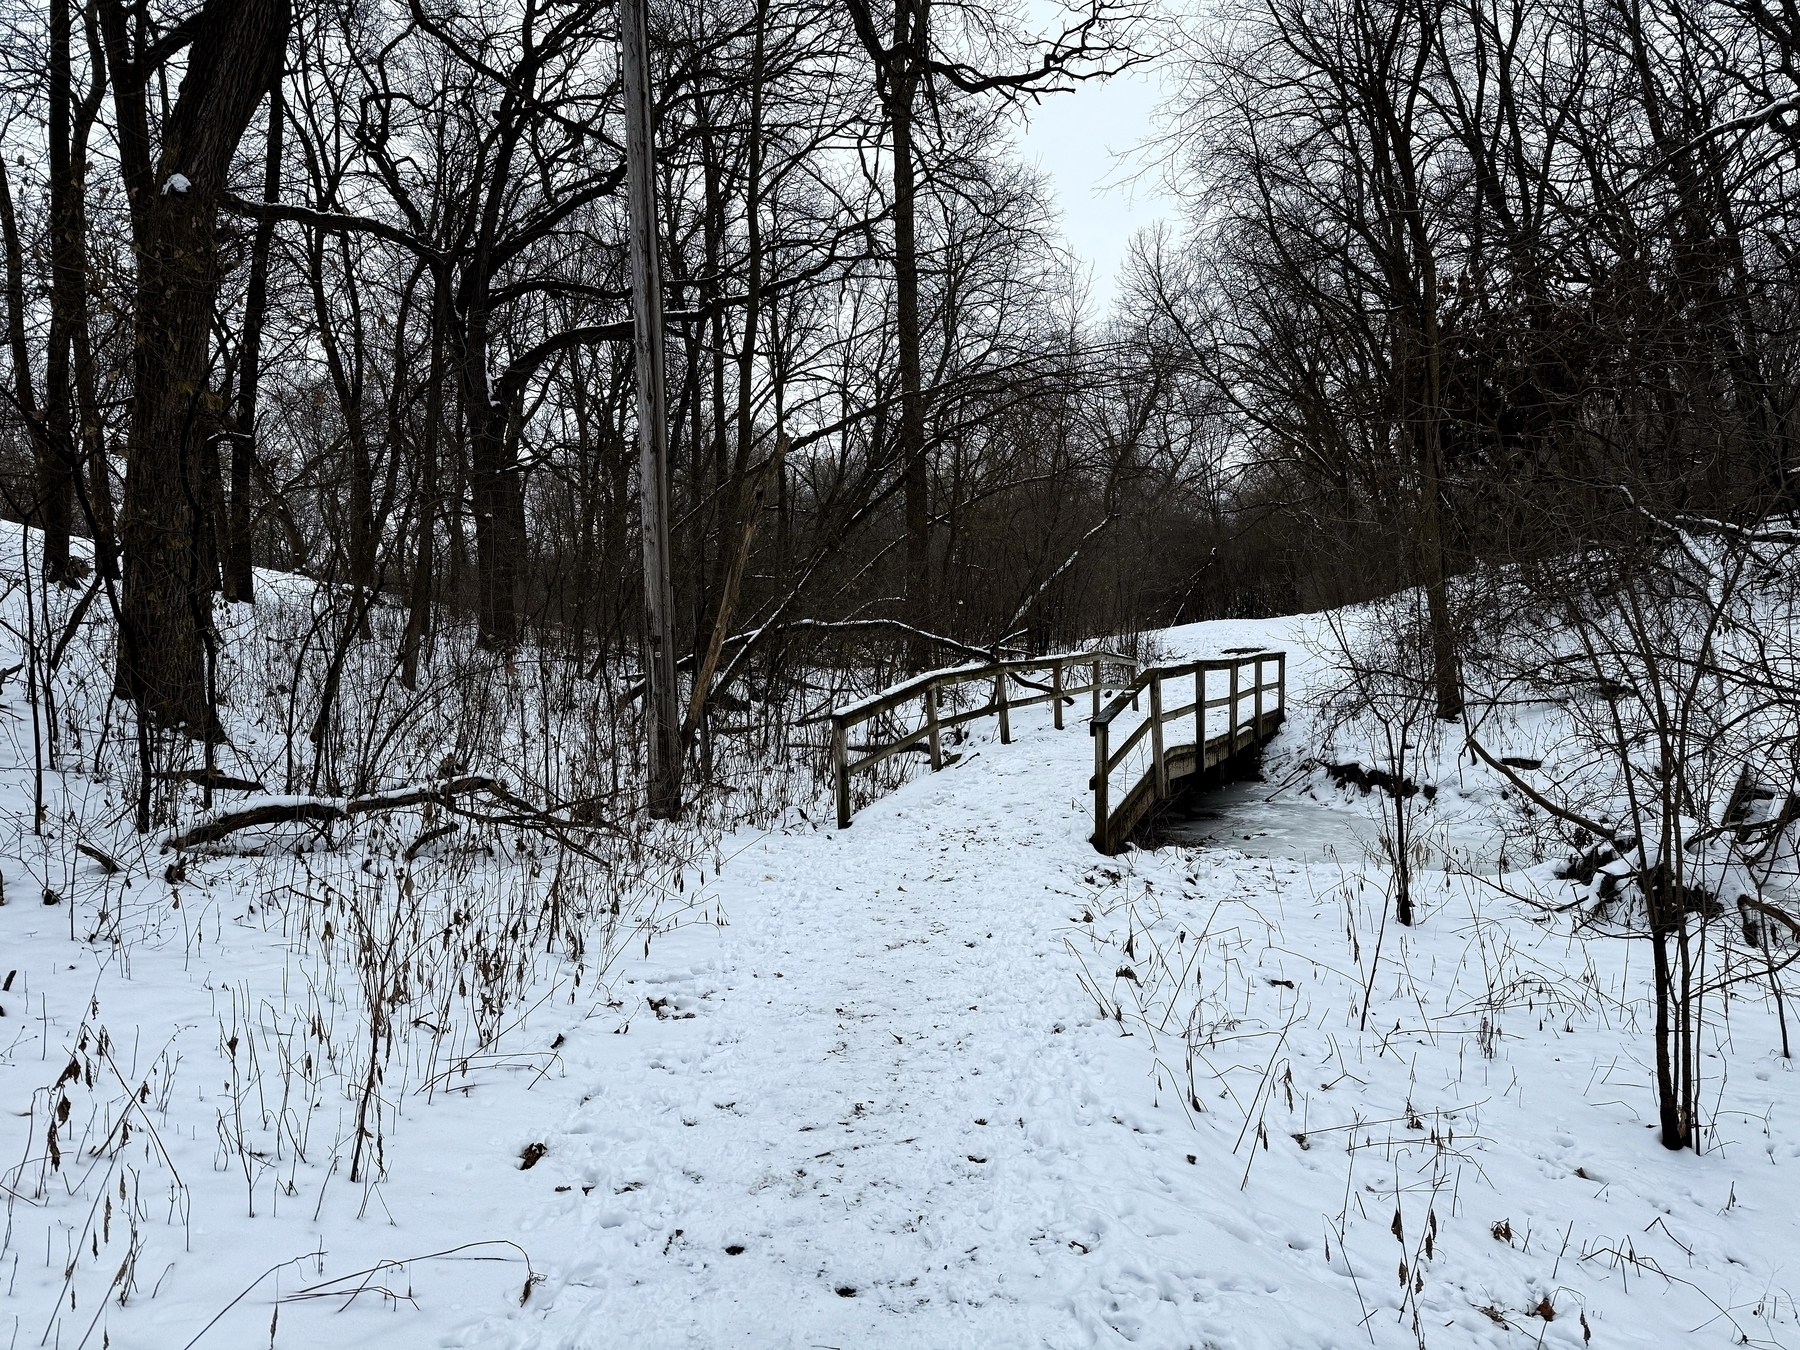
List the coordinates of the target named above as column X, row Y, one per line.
column 1214, row 739
column 1053, row 687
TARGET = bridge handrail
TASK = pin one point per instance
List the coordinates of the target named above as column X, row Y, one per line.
column 930, row 688
column 1151, row 680
column 1128, row 697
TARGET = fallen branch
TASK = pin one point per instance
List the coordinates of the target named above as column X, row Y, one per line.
column 212, row 778
column 108, row 864
column 428, row 838
column 1769, row 911
column 74, row 624
column 763, row 480
column 324, row 810
column 284, row 812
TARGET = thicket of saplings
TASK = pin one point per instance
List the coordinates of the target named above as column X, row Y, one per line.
column 1634, row 695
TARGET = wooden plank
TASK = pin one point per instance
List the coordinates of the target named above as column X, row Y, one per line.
column 930, row 686
column 1231, row 718
column 889, row 750
column 950, row 676
column 1132, row 809
column 1199, row 707
column 973, row 714
column 1112, row 828
column 1124, row 699
column 1181, row 760
column 891, row 698
column 1129, row 742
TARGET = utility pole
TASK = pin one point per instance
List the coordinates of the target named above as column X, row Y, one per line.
column 660, row 719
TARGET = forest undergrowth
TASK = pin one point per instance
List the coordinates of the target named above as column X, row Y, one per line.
column 377, row 890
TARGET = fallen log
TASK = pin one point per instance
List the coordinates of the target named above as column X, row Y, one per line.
column 429, row 838
column 108, row 864
column 283, row 812
column 324, row 810
column 218, row 782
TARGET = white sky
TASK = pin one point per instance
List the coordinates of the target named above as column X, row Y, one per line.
column 1078, row 140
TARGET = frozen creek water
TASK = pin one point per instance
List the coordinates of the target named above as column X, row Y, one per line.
column 1264, row 820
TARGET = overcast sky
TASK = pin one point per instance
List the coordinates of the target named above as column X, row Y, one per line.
column 1077, row 139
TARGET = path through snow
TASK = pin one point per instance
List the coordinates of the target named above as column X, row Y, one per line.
column 894, row 1097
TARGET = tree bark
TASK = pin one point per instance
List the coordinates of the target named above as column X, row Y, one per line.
column 97, row 504
column 240, row 570
column 903, row 83
column 22, row 393
column 236, row 56
column 56, row 461
column 661, row 722
column 1428, row 450
column 418, row 615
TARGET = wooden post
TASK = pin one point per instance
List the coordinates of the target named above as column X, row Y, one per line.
column 661, row 722
column 1200, row 719
column 840, row 769
column 931, row 722
column 1096, row 712
column 1281, row 680
column 1099, row 730
column 1259, row 698
column 1232, row 711
column 1000, row 702
column 1156, row 737
column 1056, row 692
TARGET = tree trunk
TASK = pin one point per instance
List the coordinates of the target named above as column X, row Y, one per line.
column 661, row 722
column 236, row 56
column 15, row 336
column 240, row 570
column 1446, row 679
column 56, row 462
column 97, row 503
column 346, row 370
column 902, row 86
column 418, row 615
column 499, row 535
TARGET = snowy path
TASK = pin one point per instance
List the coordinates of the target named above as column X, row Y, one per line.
column 893, row 1096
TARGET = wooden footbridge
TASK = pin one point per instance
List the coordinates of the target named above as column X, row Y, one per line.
column 1151, row 753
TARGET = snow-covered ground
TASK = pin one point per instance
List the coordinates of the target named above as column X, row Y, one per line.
column 946, row 1078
